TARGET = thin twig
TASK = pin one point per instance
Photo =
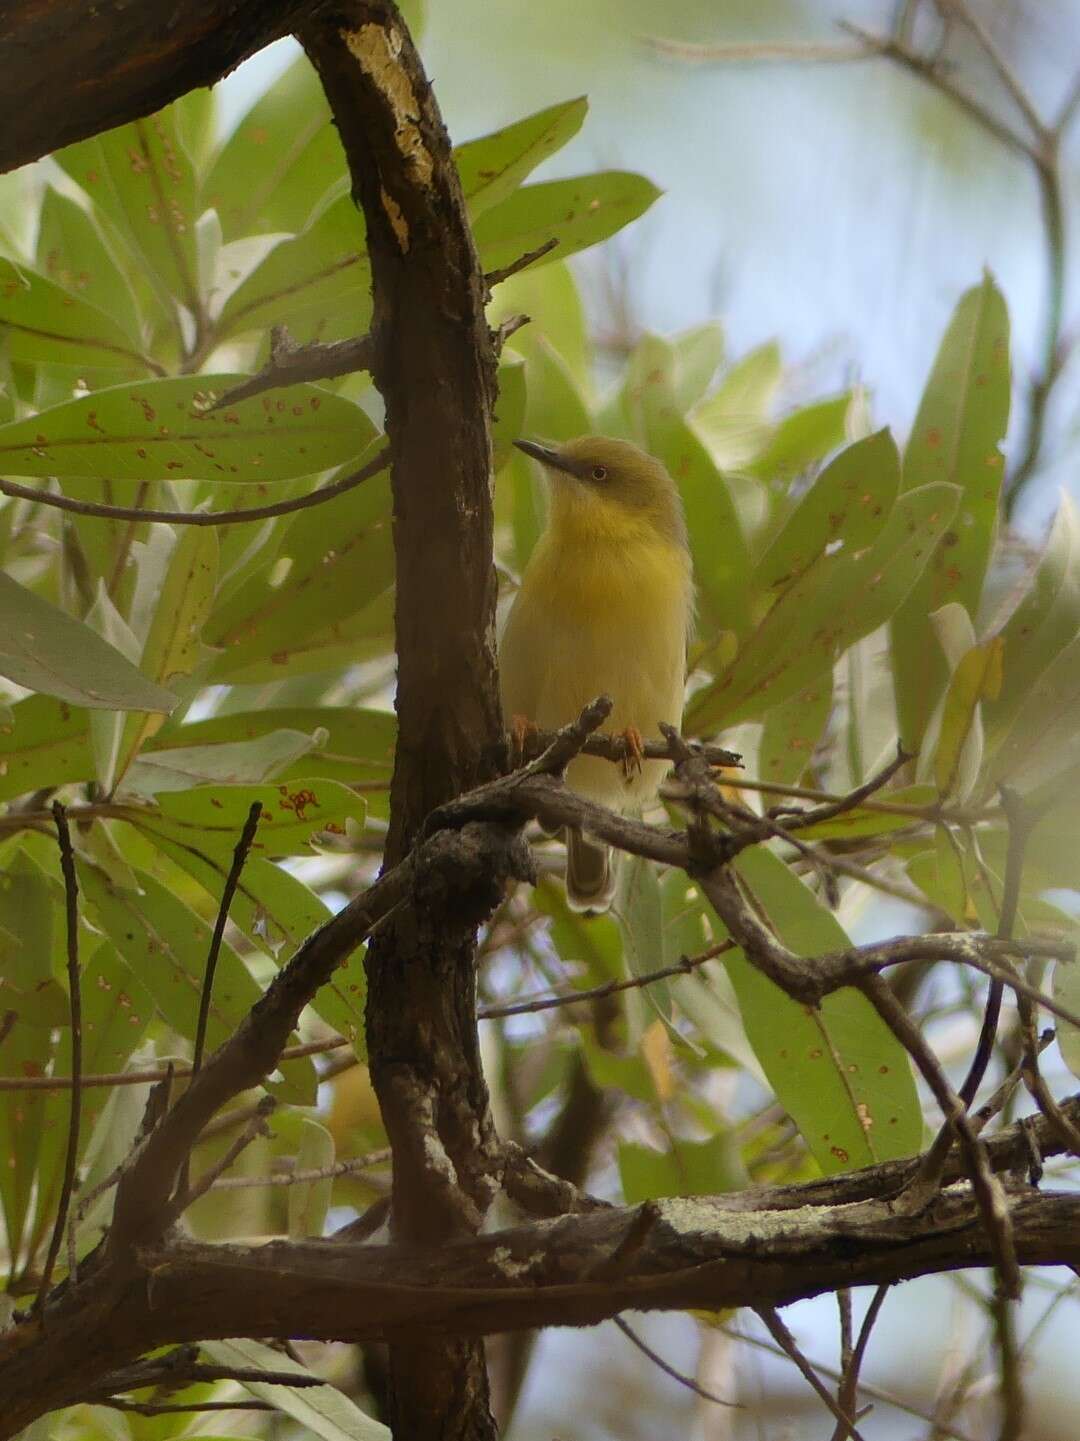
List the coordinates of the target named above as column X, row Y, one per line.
column 1010, row 1381
column 190, row 1194
column 800, row 819
column 71, row 898
column 876, row 1393
column 999, row 61
column 240, row 855
column 289, row 364
column 199, row 517
column 174, row 1408
column 232, row 880
column 986, row 1187
column 696, row 54
column 353, row 1167
column 496, row 277
column 849, row 1386
column 787, row 1343
column 155, row 1073
column 684, row 966
column 669, row 1370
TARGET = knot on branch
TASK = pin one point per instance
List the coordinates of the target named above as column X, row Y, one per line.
column 463, row 874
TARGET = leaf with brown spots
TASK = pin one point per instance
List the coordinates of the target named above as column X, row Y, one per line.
column 956, row 438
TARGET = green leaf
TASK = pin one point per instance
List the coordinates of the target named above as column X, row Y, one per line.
column 845, row 506
column 549, row 296
column 359, row 744
column 210, row 818
column 801, row 438
column 958, row 752
column 309, row 1201
column 157, row 934
column 27, row 984
column 688, row 1168
column 43, row 322
column 72, row 252
column 721, row 564
column 1042, row 625
column 792, row 730
column 277, row 912
column 838, row 1070
column 509, row 412
column 1066, row 990
column 160, row 430
column 322, row 1411
column 43, row 649
column 492, row 167
column 318, row 283
column 638, row 912
column 341, row 558
column 46, row 742
column 142, row 177
column 246, row 762
column 578, row 213
column 733, row 421
column 956, row 438
column 26, row 1052
column 699, row 353
column 1044, row 741
column 830, row 606
column 280, row 160
column 171, row 650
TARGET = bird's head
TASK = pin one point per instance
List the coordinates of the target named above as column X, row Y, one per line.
column 597, row 474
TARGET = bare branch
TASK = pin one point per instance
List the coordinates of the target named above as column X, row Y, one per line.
column 289, row 364
column 787, row 1343
column 198, row 517
column 669, row 1370
column 496, row 277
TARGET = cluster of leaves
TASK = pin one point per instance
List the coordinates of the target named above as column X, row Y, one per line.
column 164, row 678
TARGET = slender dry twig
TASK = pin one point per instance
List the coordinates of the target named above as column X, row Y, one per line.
column 684, row 966
column 1009, row 1380
column 851, row 1365
column 199, row 517
column 355, row 1166
column 240, row 855
column 993, row 52
column 190, row 1194
column 984, row 1183
column 290, row 364
column 71, row 898
column 175, row 1408
column 773, row 1323
column 669, row 1370
column 496, row 277
column 796, row 819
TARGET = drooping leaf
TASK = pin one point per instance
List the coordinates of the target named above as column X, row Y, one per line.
column 141, row 175
column 43, row 649
column 838, row 1070
column 309, row 1201
column 492, row 167
column 845, row 506
column 956, row 438
column 73, row 252
column 210, row 818
column 831, row 605
column 171, row 650
column 322, row 1411
column 166, row 944
column 800, row 439
column 958, row 751
column 280, row 160
column 734, row 419
column 162, row 430
column 45, row 742
column 318, row 282
column 245, row 762
column 577, row 213
column 44, row 322
column 792, row 730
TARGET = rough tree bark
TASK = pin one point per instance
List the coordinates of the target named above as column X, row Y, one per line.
column 434, row 365
column 73, row 69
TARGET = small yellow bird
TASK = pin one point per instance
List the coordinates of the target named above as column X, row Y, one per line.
column 605, row 605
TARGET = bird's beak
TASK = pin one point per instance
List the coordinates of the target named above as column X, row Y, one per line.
column 546, row 455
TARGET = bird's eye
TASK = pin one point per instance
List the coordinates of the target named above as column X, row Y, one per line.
column 599, row 472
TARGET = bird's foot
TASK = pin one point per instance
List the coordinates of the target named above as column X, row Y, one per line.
column 635, row 752
column 521, row 728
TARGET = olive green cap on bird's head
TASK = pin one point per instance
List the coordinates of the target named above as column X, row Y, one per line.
column 617, row 472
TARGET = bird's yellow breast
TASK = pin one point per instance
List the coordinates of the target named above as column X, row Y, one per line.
column 604, row 606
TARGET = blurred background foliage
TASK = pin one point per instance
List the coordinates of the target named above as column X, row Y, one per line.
column 805, row 329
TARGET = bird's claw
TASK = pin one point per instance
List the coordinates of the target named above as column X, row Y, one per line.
column 635, row 752
column 521, row 728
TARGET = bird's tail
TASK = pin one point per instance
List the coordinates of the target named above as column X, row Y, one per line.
column 590, row 874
